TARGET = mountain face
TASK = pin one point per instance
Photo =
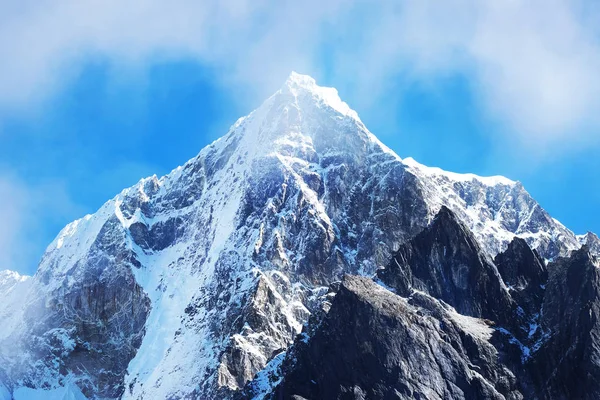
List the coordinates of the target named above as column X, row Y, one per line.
column 195, row 284
column 525, row 274
column 590, row 240
column 374, row 344
column 445, row 261
column 403, row 335
column 567, row 364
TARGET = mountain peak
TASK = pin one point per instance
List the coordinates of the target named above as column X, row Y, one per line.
column 299, row 84
column 10, row 279
column 300, row 80
column 590, row 240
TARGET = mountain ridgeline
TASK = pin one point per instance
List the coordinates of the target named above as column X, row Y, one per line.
column 298, row 257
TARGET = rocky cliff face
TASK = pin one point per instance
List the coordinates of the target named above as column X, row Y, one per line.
column 374, row 344
column 189, row 285
column 567, row 364
column 525, row 274
column 445, row 261
column 403, row 335
column 592, row 241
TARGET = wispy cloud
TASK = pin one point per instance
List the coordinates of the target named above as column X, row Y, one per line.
column 533, row 64
column 44, row 43
column 21, row 208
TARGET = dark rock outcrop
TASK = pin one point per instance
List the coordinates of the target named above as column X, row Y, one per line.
column 374, row 344
column 446, row 262
column 525, row 274
column 567, row 364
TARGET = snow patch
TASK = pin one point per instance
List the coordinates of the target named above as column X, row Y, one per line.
column 67, row 392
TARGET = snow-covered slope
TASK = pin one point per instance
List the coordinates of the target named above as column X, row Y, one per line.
column 496, row 209
column 13, row 290
column 189, row 284
column 591, row 240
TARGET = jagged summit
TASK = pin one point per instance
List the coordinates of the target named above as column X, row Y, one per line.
column 299, row 84
column 298, row 119
column 445, row 261
column 7, row 276
column 301, row 80
column 327, row 95
column 591, row 240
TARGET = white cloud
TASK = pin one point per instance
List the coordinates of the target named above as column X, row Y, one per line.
column 533, row 64
column 537, row 67
column 41, row 43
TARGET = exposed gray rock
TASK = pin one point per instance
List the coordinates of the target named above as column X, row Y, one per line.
column 374, row 344
column 446, row 262
column 525, row 273
column 567, row 363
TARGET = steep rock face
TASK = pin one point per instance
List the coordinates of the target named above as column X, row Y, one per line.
column 525, row 274
column 375, row 344
column 567, row 363
column 446, row 262
column 194, row 281
column 90, row 325
column 265, row 324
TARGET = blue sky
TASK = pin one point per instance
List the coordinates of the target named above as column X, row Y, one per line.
column 89, row 108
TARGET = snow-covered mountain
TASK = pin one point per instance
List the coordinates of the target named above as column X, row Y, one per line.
column 591, row 240
column 186, row 286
